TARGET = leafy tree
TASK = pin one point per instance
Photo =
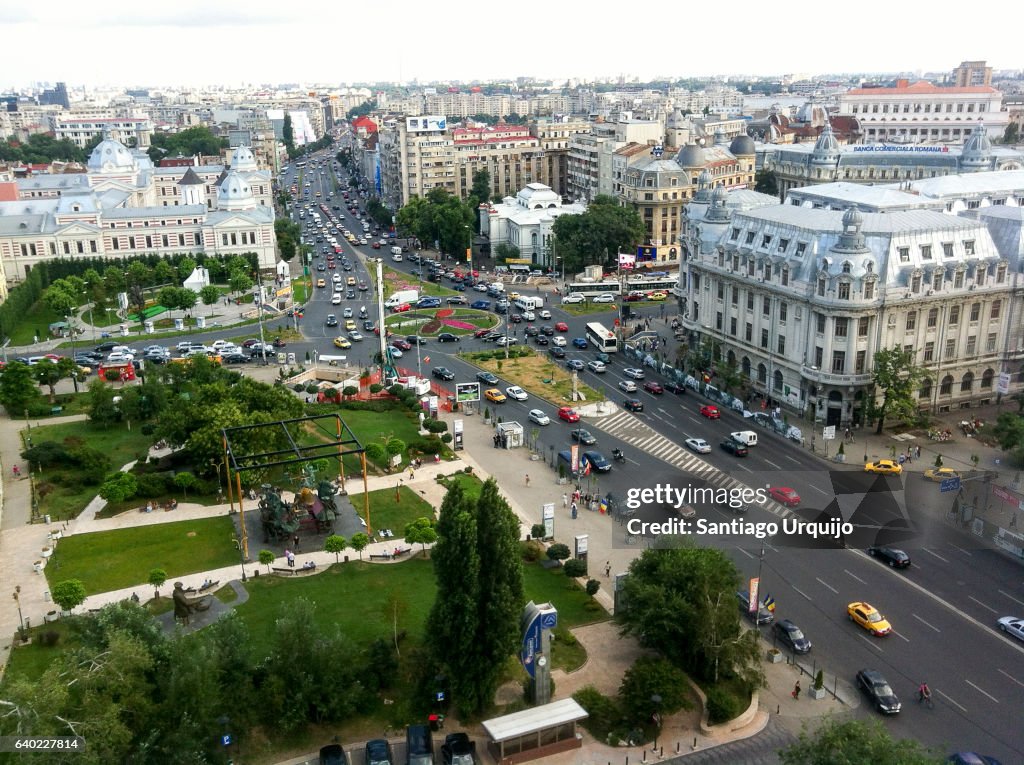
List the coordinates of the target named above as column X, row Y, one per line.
column 49, row 374
column 119, row 487
column 185, row 481
column 506, row 251
column 358, row 542
column 157, row 577
column 186, row 299
column 239, row 281
column 598, row 234
column 209, row 294
column 68, row 594
column 138, row 274
column 267, row 557
column 18, row 388
column 1009, row 433
column 766, row 183
column 1012, row 132
column 558, row 551
column 336, row 544
column 288, row 134
column 897, row 378
column 394, row 446
column 421, row 531
column 481, row 190
column 164, row 273
column 500, row 603
column 836, row 741
column 186, row 266
column 652, row 676
column 60, row 299
column 168, row 297
column 188, row 143
column 114, row 280
column 99, row 403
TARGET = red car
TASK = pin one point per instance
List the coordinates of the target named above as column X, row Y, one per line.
column 332, row 265
column 402, row 308
column 568, row 414
column 653, row 387
column 711, row 412
column 561, row 327
column 784, row 496
column 481, row 332
column 402, row 345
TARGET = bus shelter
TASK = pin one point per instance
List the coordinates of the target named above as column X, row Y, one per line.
column 535, row 733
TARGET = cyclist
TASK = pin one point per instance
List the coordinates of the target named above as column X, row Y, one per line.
column 924, row 693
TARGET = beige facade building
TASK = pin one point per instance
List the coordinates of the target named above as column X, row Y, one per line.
column 972, row 74
column 555, row 138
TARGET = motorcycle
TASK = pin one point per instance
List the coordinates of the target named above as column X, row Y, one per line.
column 618, row 456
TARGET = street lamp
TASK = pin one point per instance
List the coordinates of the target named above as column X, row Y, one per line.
column 21, row 619
column 656, row 703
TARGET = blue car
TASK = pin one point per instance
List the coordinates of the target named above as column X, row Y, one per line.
column 481, row 305
column 579, row 342
column 428, row 302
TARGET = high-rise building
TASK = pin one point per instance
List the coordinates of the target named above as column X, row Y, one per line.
column 55, row 96
column 971, row 74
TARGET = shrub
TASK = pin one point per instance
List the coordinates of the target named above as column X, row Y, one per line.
column 435, row 426
column 92, row 463
column 723, row 705
column 396, row 390
column 603, row 713
column 558, row 551
column 650, row 676
column 537, row 531
column 531, row 551
column 376, row 388
column 147, row 429
column 151, row 485
column 47, row 454
column 375, row 451
column 298, row 387
column 446, row 438
column 575, row 568
column 592, row 587
column 50, row 638
column 430, row 446
column 312, row 388
column 119, row 487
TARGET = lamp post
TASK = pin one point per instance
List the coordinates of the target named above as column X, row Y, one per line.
column 238, row 542
column 656, row 703
column 21, row 619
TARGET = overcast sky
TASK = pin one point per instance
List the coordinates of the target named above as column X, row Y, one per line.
column 231, row 42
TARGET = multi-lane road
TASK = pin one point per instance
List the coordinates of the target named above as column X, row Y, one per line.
column 943, row 608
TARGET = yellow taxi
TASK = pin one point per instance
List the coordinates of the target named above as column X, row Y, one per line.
column 321, row 283
column 350, row 325
column 514, row 296
column 494, row 395
column 940, row 474
column 342, row 342
column 867, row 616
column 884, row 467
column 659, row 295
column 351, row 281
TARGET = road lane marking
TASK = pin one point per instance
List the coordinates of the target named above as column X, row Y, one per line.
column 899, row 635
column 854, row 576
column 826, row 584
column 872, row 643
column 1018, row 682
column 961, row 550
column 773, row 465
column 820, row 491
column 744, row 467
column 1021, row 602
column 926, row 624
column 663, row 412
column 981, row 691
column 983, row 605
column 791, row 458
column 808, row 597
column 947, row 698
column 935, row 555
column 745, row 553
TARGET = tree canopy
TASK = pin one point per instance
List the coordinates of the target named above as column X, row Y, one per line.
column 439, row 216
column 596, row 236
column 896, row 378
column 842, row 741
column 43, row 148
column 187, row 143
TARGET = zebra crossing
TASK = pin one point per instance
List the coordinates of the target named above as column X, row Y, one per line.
column 643, row 437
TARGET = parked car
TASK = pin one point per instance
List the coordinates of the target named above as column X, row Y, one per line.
column 792, row 636
column 636, row 374
column 877, row 689
column 457, row 749
column 378, row 752
column 761, row 616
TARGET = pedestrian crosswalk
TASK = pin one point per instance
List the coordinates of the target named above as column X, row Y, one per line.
column 643, row 437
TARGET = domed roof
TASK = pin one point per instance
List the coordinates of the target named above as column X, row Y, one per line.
column 719, row 194
column 852, row 218
column 741, row 145
column 826, row 145
column 978, row 149
column 242, row 159
column 720, row 138
column 111, row 156
column 234, row 193
column 690, row 156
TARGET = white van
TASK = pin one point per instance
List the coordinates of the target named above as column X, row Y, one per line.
column 746, row 437
column 396, row 254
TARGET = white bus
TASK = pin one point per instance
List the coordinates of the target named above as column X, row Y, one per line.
column 602, row 338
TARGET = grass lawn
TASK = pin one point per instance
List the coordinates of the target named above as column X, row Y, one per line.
column 35, row 323
column 33, row 660
column 111, row 560
column 471, row 485
column 551, row 585
column 385, row 513
column 62, row 495
column 539, row 376
column 395, row 280
column 410, row 323
column 368, row 427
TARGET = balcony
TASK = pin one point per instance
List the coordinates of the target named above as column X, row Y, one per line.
column 816, row 375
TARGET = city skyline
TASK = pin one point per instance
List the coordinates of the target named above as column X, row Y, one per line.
column 232, row 43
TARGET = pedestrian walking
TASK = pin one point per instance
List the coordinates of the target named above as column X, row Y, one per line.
column 607, row 569
column 846, row 434
column 295, row 542
column 527, row 479
column 16, row 470
column 917, row 452
column 412, row 472
column 575, row 510
column 796, row 690
column 290, row 557
column 565, row 499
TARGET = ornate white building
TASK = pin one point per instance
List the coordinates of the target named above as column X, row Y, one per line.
column 123, row 206
column 526, row 221
column 800, row 297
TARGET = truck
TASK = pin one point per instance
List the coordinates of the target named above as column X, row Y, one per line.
column 402, row 296
column 527, row 303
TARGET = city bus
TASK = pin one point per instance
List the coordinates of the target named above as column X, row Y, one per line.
column 602, row 338
column 639, row 283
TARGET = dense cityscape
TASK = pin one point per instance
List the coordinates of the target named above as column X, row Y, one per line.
column 560, row 420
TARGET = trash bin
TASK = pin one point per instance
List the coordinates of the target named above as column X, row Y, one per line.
column 46, row 596
column 47, row 517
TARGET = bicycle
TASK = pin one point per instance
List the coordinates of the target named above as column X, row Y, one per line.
column 926, row 700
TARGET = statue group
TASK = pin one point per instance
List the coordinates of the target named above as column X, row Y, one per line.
column 315, row 510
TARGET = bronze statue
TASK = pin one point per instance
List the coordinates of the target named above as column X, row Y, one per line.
column 182, row 606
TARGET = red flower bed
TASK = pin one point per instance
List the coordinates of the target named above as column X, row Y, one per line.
column 444, row 313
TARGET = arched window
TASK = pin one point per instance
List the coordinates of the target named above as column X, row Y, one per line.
column 967, row 382
column 986, row 379
column 777, row 380
column 947, row 385
column 926, row 388
column 731, row 358
column 762, row 374
column 745, row 366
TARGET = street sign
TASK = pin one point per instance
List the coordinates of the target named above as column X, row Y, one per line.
column 1003, row 386
column 829, row 433
column 950, row 484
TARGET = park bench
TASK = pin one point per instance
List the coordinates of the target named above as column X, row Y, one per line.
column 285, row 571
column 380, row 556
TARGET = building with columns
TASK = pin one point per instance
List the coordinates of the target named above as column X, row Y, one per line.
column 123, row 206
column 526, row 221
column 800, row 298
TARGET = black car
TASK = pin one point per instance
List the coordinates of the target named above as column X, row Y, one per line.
column 674, row 387
column 531, row 331
column 547, row 329
column 791, row 635
column 332, row 320
column 633, row 405
column 442, row 373
column 106, row 347
column 419, row 745
column 891, row 556
column 368, row 326
column 734, row 447
column 541, row 340
column 457, row 749
column 415, row 340
column 350, row 294
column 332, row 754
column 378, row 752
column 761, row 616
column 227, row 358
column 487, row 378
column 877, row 689
column 585, row 437
column 447, row 337
column 491, row 336
column 556, row 352
column 597, row 461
